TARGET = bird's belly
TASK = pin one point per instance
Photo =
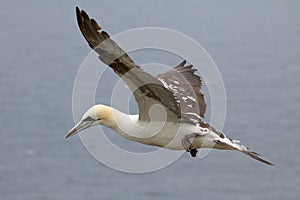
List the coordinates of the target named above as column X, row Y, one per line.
column 169, row 135
column 165, row 134
column 175, row 142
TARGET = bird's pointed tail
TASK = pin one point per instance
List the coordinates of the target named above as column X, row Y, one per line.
column 255, row 156
column 233, row 144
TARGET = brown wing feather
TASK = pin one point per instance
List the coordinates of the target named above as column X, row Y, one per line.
column 146, row 89
column 186, row 85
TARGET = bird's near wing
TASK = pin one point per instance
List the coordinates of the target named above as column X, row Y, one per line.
column 147, row 90
column 186, row 86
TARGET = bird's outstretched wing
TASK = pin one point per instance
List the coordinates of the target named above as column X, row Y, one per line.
column 146, row 89
column 186, row 85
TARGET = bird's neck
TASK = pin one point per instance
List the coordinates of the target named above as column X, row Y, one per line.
column 122, row 123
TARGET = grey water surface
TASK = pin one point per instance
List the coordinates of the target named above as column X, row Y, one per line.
column 256, row 46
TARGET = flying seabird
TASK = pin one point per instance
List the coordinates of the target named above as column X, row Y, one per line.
column 171, row 105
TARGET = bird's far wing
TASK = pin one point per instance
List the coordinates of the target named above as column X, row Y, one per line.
column 186, row 86
column 146, row 89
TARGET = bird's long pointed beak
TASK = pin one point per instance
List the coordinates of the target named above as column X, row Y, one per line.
column 77, row 128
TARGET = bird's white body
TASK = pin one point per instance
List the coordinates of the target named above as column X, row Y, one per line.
column 164, row 134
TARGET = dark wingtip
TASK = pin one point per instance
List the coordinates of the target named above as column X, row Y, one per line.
column 77, row 11
column 95, row 25
column 106, row 35
column 84, row 15
column 189, row 66
column 183, row 63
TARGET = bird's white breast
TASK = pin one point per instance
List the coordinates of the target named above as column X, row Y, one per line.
column 163, row 134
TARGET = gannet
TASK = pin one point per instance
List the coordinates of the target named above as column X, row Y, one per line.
column 171, row 105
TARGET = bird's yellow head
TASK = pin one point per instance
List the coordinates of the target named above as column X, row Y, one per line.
column 96, row 115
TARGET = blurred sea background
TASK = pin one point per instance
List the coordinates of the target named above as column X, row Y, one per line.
column 255, row 45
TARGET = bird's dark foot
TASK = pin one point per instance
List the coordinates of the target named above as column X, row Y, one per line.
column 187, row 144
column 193, row 152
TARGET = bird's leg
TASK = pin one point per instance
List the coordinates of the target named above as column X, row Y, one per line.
column 193, row 152
column 186, row 141
column 187, row 144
